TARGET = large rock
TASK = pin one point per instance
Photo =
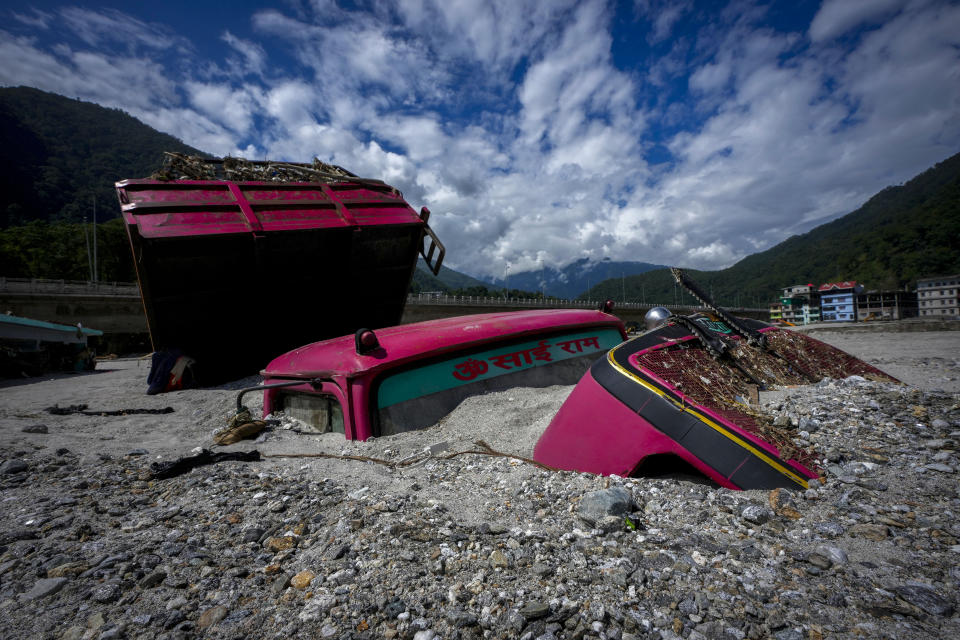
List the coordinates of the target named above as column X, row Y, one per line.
column 920, row 595
column 10, row 467
column 756, row 514
column 615, row 501
column 36, row 428
column 212, row 616
column 43, row 588
column 303, row 579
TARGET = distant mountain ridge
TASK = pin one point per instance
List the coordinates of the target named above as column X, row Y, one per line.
column 568, row 282
column 60, row 155
column 446, row 281
column 575, row 278
column 899, row 235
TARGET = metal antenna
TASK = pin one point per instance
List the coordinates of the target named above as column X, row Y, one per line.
column 86, row 236
column 95, row 239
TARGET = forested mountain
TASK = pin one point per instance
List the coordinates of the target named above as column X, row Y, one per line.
column 64, row 250
column 576, row 277
column 455, row 283
column 58, row 155
column 447, row 280
column 900, row 234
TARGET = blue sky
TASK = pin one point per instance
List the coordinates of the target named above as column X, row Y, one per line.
column 538, row 133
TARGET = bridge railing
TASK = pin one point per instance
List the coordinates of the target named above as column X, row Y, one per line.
column 85, row 287
column 501, row 301
column 68, row 287
column 548, row 303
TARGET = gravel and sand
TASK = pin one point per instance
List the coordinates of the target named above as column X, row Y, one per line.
column 476, row 546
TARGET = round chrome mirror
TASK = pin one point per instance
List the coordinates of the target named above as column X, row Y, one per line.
column 656, row 317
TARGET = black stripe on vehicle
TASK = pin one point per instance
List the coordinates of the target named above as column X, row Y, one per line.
column 718, row 451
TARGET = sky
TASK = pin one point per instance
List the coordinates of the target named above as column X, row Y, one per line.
column 538, row 133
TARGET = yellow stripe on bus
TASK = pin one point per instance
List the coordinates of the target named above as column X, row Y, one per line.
column 699, row 416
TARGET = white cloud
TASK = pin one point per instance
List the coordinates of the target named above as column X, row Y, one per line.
column 495, row 34
column 421, row 137
column 715, row 255
column 252, row 54
column 25, row 64
column 663, row 15
column 575, row 83
column 358, row 55
column 836, row 17
column 781, row 152
column 230, row 107
column 292, row 103
column 193, row 128
column 513, row 124
column 109, row 25
column 711, row 76
column 36, row 18
column 129, row 82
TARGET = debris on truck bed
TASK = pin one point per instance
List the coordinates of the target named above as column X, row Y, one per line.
column 178, row 166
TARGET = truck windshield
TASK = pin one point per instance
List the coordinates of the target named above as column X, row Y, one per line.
column 318, row 413
column 417, row 397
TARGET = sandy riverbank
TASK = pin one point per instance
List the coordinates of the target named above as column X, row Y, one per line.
column 474, row 546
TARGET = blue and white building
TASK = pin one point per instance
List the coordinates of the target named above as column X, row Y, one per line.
column 838, row 301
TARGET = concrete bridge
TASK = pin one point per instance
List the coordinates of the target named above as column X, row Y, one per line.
column 116, row 309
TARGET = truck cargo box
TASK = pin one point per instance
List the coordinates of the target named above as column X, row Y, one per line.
column 234, row 273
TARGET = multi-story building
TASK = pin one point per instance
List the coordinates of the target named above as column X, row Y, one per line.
column 886, row 305
column 838, row 301
column 809, row 313
column 799, row 304
column 776, row 312
column 788, row 312
column 939, row 296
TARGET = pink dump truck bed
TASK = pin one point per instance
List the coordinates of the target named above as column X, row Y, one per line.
column 235, row 273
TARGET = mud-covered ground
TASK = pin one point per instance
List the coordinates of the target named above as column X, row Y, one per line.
column 476, row 546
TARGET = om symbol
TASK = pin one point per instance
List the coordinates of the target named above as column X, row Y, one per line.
column 470, row 369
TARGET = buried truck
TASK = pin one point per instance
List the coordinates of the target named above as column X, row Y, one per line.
column 238, row 261
column 686, row 390
column 383, row 382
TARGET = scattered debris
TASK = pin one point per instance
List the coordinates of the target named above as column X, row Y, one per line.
column 240, row 427
column 239, row 432
column 82, row 409
column 164, row 470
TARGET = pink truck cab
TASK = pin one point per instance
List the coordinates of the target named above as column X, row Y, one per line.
column 401, row 378
column 681, row 391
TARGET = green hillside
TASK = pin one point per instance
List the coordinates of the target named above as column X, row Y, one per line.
column 44, row 250
column 900, row 234
column 448, row 281
column 59, row 155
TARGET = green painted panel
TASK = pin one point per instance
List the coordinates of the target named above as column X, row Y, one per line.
column 460, row 370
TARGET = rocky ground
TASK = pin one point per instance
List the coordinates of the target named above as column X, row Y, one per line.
column 476, row 546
